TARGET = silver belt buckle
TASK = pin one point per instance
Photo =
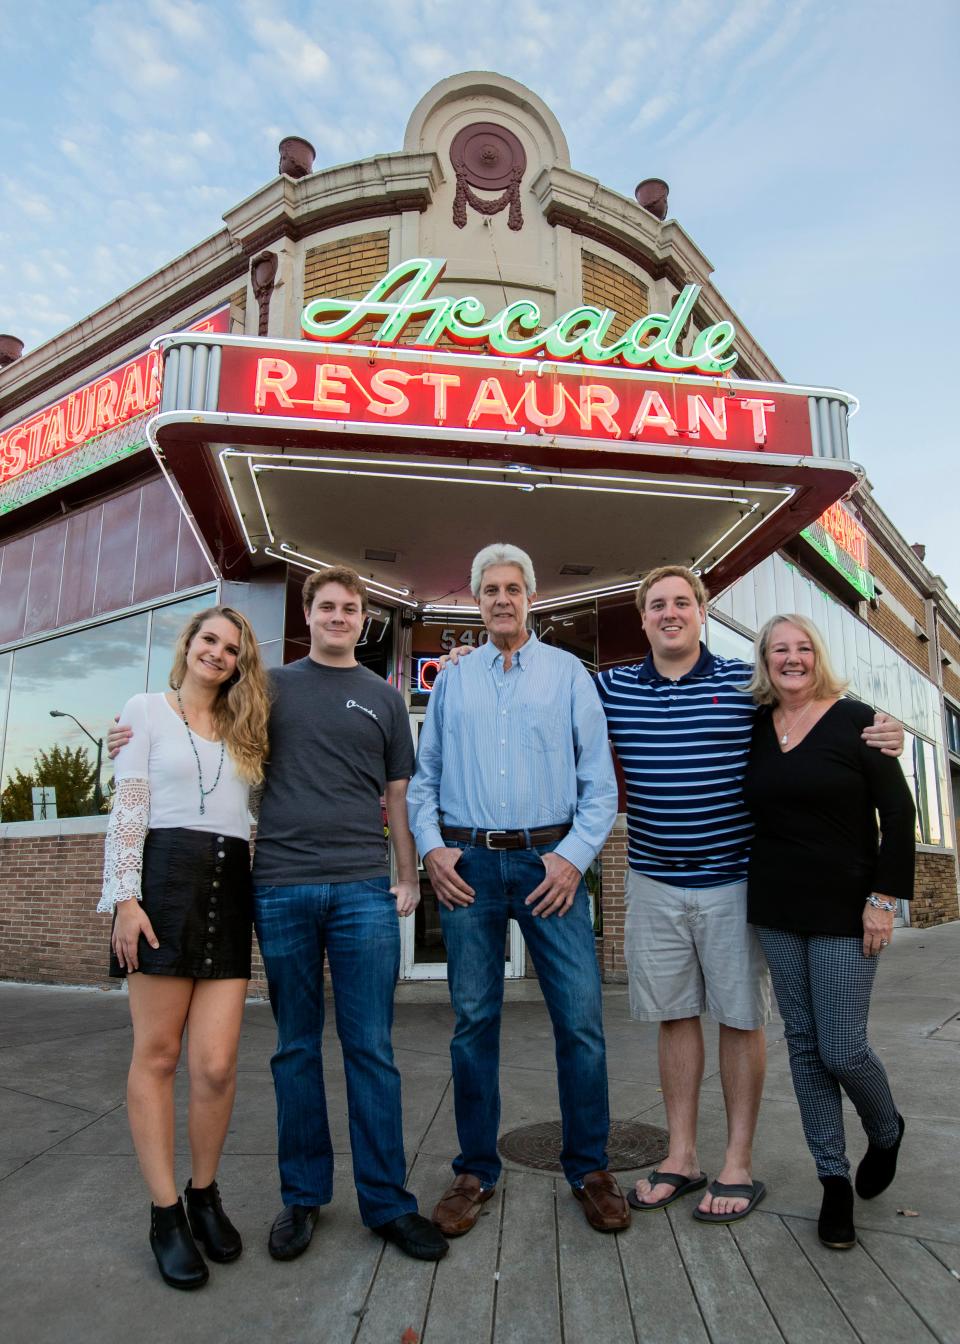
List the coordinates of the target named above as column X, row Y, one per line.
column 486, row 838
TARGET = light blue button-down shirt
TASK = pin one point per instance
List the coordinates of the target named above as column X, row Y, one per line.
column 517, row 749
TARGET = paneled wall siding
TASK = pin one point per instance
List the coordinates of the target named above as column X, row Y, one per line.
column 121, row 552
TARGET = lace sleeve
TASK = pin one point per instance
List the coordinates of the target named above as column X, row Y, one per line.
column 123, row 850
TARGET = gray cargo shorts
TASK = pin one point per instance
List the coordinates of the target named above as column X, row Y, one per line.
column 690, row 951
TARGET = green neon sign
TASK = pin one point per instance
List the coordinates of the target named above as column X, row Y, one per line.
column 402, row 297
column 840, row 558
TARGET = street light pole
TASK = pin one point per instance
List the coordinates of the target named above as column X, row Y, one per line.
column 97, row 742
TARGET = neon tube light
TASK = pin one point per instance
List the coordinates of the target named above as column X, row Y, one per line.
column 395, row 476
column 517, row 467
column 238, row 512
column 655, row 494
column 371, row 583
column 581, row 331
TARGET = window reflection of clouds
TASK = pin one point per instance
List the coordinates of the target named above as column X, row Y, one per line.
column 6, row 664
column 89, row 674
column 167, row 624
column 65, row 660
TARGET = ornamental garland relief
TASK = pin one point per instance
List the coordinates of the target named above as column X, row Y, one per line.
column 487, row 157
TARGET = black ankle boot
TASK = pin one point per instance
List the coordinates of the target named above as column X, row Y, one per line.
column 210, row 1225
column 181, row 1264
column 878, row 1166
column 835, row 1225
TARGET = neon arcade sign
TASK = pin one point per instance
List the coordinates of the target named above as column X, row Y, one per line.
column 402, row 299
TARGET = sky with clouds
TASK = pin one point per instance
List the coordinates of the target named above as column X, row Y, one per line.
column 811, row 150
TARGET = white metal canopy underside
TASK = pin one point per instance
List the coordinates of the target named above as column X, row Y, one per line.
column 411, row 524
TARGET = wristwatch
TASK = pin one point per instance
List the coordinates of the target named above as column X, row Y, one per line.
column 879, row 903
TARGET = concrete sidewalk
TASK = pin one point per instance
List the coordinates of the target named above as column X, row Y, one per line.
column 75, row 1263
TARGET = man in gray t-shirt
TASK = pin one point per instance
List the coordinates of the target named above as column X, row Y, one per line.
column 338, row 736
column 339, row 740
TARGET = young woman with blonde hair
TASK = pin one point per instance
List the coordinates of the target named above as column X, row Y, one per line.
column 177, row 878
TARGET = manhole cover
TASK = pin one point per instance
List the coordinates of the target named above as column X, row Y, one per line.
column 630, row 1145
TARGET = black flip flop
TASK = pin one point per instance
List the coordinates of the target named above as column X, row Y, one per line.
column 754, row 1193
column 683, row 1185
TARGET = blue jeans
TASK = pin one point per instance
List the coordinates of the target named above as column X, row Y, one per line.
column 566, row 964
column 355, row 923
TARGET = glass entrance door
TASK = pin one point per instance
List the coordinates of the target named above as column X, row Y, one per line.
column 423, row 955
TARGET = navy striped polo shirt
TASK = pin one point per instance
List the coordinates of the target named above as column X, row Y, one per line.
column 683, row 746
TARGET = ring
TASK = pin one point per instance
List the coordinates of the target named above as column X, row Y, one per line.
column 884, row 943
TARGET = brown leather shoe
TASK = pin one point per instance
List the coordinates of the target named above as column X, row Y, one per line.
column 459, row 1206
column 603, row 1203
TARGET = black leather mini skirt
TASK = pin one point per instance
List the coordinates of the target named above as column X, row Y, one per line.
column 197, row 893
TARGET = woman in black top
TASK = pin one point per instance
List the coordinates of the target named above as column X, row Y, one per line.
column 822, row 892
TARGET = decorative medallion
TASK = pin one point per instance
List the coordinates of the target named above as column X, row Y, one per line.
column 487, row 157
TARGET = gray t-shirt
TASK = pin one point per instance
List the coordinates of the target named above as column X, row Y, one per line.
column 337, row 735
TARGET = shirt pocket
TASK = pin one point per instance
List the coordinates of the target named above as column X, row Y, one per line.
column 543, row 730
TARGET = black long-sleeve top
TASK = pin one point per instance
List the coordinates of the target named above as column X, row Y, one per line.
column 816, row 854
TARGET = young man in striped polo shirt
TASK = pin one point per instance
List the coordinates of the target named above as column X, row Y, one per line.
column 681, row 724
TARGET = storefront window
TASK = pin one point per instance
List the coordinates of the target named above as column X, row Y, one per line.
column 166, row 624
column 6, row 665
column 909, row 767
column 63, row 695
column 953, row 729
column 573, row 631
column 929, row 792
column 922, row 765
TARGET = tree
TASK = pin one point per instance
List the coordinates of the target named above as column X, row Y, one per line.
column 71, row 773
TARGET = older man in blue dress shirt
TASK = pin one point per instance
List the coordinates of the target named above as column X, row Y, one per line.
column 513, row 796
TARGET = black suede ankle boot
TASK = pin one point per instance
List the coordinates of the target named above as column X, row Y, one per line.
column 835, row 1225
column 181, row 1264
column 878, row 1166
column 210, row 1225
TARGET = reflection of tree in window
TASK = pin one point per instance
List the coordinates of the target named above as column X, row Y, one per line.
column 90, row 675
column 70, row 773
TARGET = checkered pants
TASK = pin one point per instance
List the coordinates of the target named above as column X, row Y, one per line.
column 823, row 983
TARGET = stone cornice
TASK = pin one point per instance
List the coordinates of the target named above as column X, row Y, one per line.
column 663, row 250
column 383, row 185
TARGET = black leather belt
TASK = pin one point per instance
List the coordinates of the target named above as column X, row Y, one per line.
column 538, row 835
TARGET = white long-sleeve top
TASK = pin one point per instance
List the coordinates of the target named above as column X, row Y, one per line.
column 157, row 788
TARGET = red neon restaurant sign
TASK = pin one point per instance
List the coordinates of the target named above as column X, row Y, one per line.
column 377, row 387
column 846, row 531
column 106, row 403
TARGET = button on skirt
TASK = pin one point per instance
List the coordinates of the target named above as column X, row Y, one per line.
column 197, row 894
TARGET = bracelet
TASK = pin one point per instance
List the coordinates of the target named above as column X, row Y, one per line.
column 879, row 904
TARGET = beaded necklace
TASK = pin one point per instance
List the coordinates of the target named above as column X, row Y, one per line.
column 204, row 793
